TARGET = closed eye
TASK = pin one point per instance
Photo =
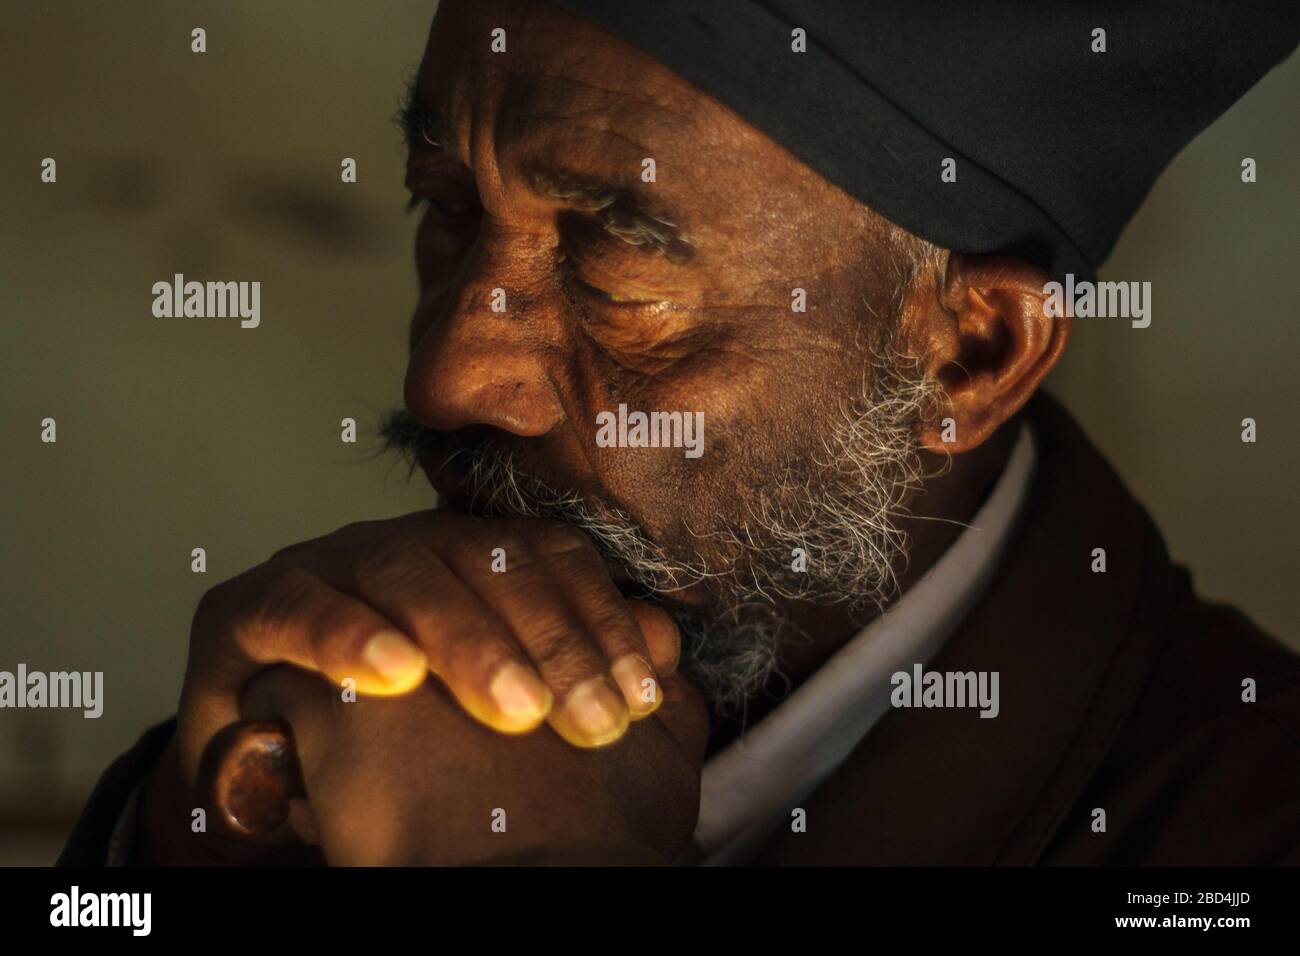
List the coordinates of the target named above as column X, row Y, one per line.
column 582, row 286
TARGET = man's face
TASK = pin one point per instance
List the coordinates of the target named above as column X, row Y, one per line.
column 671, row 295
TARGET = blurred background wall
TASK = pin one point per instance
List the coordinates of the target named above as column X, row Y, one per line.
column 184, row 433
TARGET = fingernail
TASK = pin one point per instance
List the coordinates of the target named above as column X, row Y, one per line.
column 520, row 695
column 395, row 659
column 638, row 683
column 596, row 711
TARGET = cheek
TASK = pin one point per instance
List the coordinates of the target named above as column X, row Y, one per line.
column 763, row 421
column 674, row 492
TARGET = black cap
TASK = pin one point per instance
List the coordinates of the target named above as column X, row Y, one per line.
column 1055, row 143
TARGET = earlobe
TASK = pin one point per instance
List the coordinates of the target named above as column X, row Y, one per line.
column 989, row 343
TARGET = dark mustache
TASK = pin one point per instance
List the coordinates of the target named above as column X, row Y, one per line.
column 403, row 434
column 471, row 450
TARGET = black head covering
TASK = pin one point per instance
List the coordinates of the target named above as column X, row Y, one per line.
column 1055, row 145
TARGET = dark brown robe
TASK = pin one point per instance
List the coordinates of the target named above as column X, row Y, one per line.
column 1120, row 691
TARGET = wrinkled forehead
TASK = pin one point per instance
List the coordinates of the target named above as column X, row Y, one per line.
column 519, row 86
column 526, row 70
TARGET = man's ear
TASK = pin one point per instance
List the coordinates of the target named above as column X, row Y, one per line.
column 985, row 335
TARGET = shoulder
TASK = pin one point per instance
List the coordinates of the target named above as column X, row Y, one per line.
column 1205, row 769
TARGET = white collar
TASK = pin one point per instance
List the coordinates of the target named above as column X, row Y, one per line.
column 750, row 786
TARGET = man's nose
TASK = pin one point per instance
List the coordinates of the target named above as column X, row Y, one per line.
column 476, row 366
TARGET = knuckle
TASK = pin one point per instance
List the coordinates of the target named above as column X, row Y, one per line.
column 281, row 554
column 471, row 627
column 349, row 537
column 477, row 641
column 617, row 625
column 389, row 562
column 223, row 603
column 559, row 648
column 211, row 602
column 348, row 626
column 515, row 547
column 277, row 600
column 358, row 529
column 555, row 538
column 430, row 520
column 235, row 619
column 480, row 547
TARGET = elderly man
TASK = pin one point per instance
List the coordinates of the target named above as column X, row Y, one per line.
column 756, row 541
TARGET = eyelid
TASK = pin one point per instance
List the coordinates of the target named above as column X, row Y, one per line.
column 610, row 303
column 603, row 294
column 649, row 278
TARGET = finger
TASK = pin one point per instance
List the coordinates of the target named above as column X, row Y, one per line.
column 307, row 706
column 247, row 777
column 291, row 616
column 300, row 699
column 468, row 646
column 582, row 581
column 591, row 710
column 284, row 616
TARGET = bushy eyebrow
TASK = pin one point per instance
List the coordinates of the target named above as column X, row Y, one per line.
column 416, row 121
column 617, row 210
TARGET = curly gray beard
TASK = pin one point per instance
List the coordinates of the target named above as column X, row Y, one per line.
column 840, row 505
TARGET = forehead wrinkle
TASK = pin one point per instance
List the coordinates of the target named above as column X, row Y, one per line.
column 506, row 116
column 647, row 126
column 550, row 47
column 656, row 105
column 551, row 151
column 638, row 125
column 468, row 100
